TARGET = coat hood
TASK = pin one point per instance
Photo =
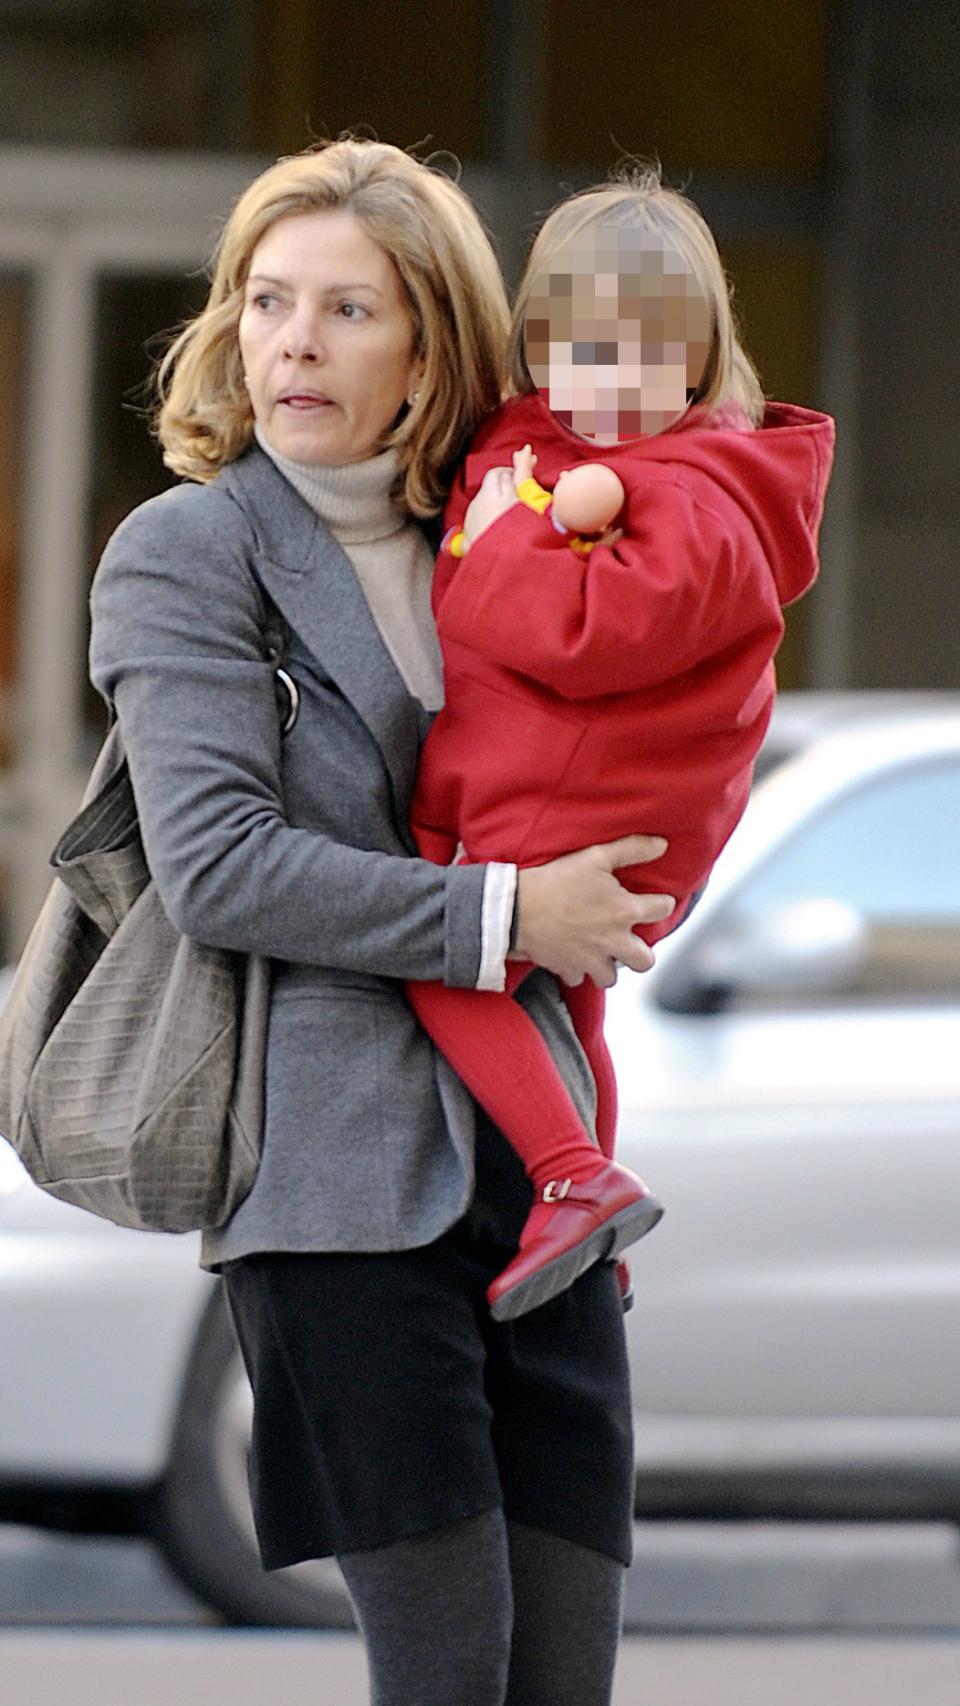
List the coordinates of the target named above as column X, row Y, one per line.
column 776, row 473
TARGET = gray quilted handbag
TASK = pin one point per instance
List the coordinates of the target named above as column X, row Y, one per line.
column 131, row 1058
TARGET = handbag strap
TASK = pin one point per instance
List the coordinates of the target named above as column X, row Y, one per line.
column 276, row 638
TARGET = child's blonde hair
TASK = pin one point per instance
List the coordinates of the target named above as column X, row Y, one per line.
column 637, row 199
column 450, row 278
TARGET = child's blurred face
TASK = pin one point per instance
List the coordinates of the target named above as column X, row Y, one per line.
column 617, row 333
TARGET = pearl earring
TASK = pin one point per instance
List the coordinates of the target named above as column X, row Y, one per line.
column 411, row 400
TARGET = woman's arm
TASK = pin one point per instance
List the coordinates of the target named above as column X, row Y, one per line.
column 177, row 646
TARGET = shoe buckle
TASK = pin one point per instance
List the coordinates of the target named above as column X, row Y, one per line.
column 556, row 1190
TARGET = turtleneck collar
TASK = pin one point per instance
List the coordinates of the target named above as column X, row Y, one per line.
column 353, row 500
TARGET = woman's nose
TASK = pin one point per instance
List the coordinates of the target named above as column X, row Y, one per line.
column 303, row 342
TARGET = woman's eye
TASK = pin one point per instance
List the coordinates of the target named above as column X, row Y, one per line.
column 264, row 299
column 352, row 311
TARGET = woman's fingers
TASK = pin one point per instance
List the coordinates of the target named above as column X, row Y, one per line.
column 629, row 850
column 497, row 479
column 576, row 919
column 635, row 909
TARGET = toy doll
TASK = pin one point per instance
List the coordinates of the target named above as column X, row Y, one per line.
column 584, row 501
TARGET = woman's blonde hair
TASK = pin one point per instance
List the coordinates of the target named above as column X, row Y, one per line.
column 451, row 280
column 635, row 198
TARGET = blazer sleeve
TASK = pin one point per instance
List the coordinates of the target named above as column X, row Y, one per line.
column 177, row 647
column 625, row 618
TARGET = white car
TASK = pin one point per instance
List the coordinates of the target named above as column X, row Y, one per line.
column 790, row 1087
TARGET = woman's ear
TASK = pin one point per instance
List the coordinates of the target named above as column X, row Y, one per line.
column 417, row 369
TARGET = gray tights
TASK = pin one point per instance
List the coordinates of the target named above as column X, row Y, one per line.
column 487, row 1613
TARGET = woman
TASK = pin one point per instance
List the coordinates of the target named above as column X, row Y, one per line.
column 355, row 330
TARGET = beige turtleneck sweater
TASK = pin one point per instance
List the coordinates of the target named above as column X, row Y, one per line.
column 391, row 558
column 393, row 562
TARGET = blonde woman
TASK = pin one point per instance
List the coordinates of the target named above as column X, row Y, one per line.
column 475, row 1481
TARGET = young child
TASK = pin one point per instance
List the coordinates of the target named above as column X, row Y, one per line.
column 595, row 688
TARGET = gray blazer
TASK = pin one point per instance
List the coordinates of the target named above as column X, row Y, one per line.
column 298, row 848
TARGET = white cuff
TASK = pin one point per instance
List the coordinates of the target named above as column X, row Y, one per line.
column 499, row 893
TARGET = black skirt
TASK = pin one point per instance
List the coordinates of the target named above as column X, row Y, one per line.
column 387, row 1401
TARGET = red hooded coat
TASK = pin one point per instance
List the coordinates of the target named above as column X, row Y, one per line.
column 590, row 697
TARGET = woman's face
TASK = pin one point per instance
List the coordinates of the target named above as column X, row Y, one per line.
column 326, row 338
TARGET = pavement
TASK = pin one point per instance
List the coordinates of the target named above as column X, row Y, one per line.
column 235, row 1668
column 711, row 1578
column 724, row 1614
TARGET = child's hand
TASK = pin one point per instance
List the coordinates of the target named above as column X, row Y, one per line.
column 524, row 462
column 495, row 497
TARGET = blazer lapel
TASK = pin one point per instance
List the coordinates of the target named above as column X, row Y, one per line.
column 311, row 580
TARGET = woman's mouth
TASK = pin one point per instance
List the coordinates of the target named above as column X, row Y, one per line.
column 304, row 402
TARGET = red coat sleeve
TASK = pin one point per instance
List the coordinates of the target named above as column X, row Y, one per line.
column 673, row 591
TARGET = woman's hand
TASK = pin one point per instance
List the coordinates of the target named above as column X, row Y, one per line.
column 576, row 919
column 495, row 497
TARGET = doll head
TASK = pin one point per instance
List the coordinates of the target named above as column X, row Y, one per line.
column 623, row 316
column 586, row 498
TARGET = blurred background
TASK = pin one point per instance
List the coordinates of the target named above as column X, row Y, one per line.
column 820, row 137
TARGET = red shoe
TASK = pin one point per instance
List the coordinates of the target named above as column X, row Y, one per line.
column 590, row 1222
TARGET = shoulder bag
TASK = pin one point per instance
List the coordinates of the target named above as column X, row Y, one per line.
column 132, row 1057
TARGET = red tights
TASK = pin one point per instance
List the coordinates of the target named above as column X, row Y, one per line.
column 495, row 1048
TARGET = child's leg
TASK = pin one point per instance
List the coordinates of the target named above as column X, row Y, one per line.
column 586, row 1005
column 585, row 1206
column 495, row 1047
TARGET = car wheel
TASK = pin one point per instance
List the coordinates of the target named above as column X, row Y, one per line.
column 202, row 1519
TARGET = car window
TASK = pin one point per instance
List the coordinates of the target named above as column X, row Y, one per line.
column 889, row 850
